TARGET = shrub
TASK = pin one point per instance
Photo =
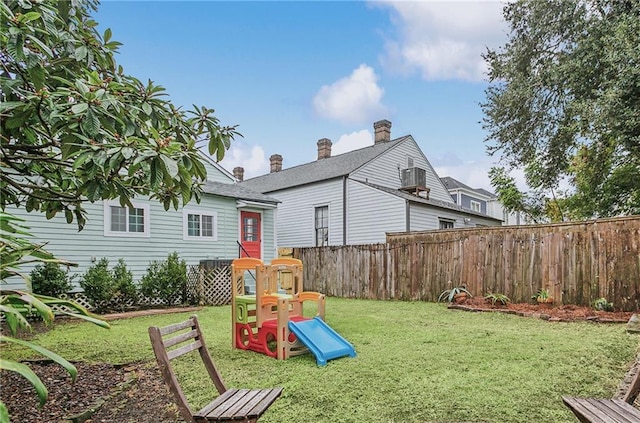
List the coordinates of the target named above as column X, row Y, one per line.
column 497, row 298
column 602, row 304
column 123, row 281
column 451, row 293
column 50, row 280
column 98, row 284
column 165, row 280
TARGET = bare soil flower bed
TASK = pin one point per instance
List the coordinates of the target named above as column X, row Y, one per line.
column 101, row 393
column 558, row 313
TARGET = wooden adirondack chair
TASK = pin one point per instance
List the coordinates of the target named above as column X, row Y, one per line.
column 240, row 405
column 590, row 410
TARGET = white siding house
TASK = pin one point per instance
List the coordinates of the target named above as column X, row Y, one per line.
column 482, row 200
column 211, row 229
column 359, row 196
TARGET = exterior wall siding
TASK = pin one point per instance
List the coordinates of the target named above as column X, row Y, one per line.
column 427, row 218
column 385, row 169
column 372, row 213
column 466, row 203
column 297, row 208
column 216, row 175
column 166, row 236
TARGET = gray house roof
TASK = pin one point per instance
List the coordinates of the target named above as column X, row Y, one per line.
column 430, row 202
column 319, row 170
column 238, row 192
column 451, row 183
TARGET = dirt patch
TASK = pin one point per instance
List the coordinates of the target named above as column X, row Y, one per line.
column 101, row 393
column 558, row 313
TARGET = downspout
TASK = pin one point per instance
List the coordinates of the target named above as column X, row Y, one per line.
column 275, row 233
column 344, row 210
column 408, row 216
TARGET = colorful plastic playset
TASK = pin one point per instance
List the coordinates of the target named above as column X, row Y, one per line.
column 271, row 321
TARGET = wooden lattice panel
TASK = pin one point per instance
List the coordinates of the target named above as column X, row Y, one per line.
column 216, row 285
column 209, row 285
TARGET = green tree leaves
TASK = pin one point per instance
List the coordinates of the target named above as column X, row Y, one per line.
column 75, row 128
column 564, row 102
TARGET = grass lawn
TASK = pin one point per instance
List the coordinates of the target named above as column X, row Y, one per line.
column 417, row 362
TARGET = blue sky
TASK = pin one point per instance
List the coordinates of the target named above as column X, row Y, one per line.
column 289, row 73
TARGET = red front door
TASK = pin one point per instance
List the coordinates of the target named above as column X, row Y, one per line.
column 250, row 234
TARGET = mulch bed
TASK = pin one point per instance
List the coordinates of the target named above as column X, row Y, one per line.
column 558, row 313
column 101, row 393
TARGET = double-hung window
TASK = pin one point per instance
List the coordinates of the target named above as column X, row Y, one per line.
column 446, row 223
column 199, row 224
column 126, row 221
column 475, row 206
column 322, row 226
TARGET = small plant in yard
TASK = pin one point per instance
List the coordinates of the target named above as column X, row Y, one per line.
column 543, row 296
column 451, row 294
column 165, row 279
column 602, row 304
column 98, row 284
column 497, row 298
column 49, row 279
column 123, row 281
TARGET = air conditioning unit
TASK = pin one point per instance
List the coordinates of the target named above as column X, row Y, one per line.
column 414, row 177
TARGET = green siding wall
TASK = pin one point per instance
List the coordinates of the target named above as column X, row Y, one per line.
column 166, row 236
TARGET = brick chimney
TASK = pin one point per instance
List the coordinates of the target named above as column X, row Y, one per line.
column 238, row 173
column 324, row 148
column 382, row 130
column 276, row 162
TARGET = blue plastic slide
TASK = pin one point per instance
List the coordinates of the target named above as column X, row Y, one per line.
column 323, row 342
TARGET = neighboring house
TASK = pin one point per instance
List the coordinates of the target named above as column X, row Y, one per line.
column 481, row 200
column 359, row 196
column 227, row 216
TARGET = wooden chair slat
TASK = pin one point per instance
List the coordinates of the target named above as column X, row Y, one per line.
column 260, row 402
column 216, row 403
column 625, row 410
column 236, row 403
column 231, row 404
column 176, row 327
column 183, row 350
column 590, row 410
column 180, row 338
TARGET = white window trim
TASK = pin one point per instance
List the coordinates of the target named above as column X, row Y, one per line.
column 313, row 223
column 447, row 220
column 201, row 212
column 146, row 208
column 472, row 203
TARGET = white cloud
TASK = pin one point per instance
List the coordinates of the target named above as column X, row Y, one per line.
column 352, row 141
column 252, row 159
column 443, row 40
column 356, row 98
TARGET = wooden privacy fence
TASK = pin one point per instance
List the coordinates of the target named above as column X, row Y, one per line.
column 578, row 262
